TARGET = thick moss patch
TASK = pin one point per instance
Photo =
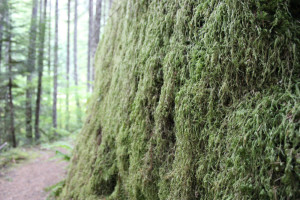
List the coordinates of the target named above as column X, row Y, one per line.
column 193, row 100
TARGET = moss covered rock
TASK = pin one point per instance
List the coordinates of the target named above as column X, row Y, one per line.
column 194, row 99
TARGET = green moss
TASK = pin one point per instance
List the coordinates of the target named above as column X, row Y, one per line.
column 193, row 100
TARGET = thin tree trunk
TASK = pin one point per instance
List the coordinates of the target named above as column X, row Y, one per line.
column 96, row 33
column 6, row 130
column 54, row 110
column 49, row 91
column 68, row 66
column 75, row 61
column 1, row 32
column 40, row 11
column 11, row 104
column 10, row 84
column 49, row 39
column 90, row 45
column 2, row 15
column 1, row 35
column 40, row 71
column 110, row 4
column 30, row 69
column 2, row 92
column 103, row 17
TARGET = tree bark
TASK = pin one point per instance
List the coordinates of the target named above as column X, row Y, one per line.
column 2, row 12
column 110, row 4
column 1, row 35
column 30, row 69
column 10, row 96
column 1, row 31
column 75, row 61
column 96, row 32
column 68, row 66
column 54, row 109
column 40, row 70
column 6, row 131
column 10, row 84
column 49, row 47
column 90, row 45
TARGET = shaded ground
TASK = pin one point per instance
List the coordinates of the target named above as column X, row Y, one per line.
column 28, row 180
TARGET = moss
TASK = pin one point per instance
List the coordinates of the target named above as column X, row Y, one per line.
column 193, row 100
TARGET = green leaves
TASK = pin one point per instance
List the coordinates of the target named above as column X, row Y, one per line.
column 64, row 156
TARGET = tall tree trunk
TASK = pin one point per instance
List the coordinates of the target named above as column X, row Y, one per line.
column 90, row 45
column 54, row 110
column 49, row 91
column 49, row 38
column 30, row 69
column 1, row 30
column 6, row 132
column 110, row 4
column 40, row 70
column 40, row 12
column 10, row 96
column 96, row 32
column 10, row 84
column 68, row 66
column 1, row 35
column 75, row 61
column 2, row 12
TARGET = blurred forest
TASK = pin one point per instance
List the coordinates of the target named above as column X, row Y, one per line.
column 47, row 49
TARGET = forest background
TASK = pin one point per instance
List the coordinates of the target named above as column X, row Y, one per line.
column 46, row 66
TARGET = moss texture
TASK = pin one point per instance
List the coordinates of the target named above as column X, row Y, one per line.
column 194, row 99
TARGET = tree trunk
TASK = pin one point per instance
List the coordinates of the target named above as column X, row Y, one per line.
column 2, row 12
column 1, row 30
column 110, row 4
column 5, row 70
column 75, row 62
column 90, row 45
column 1, row 35
column 54, row 110
column 68, row 66
column 10, row 96
column 30, row 69
column 97, row 27
column 49, row 40
column 96, row 32
column 10, row 84
column 40, row 70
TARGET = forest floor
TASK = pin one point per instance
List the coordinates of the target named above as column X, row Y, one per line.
column 28, row 180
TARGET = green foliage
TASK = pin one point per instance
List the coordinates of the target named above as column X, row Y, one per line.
column 55, row 190
column 12, row 156
column 20, row 12
column 193, row 100
column 62, row 155
column 63, row 149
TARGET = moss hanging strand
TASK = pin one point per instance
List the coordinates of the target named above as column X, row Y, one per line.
column 193, row 100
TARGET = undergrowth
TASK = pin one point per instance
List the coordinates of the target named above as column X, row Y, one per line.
column 194, row 99
column 63, row 151
column 13, row 156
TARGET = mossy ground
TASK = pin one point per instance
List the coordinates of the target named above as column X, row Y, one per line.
column 194, row 99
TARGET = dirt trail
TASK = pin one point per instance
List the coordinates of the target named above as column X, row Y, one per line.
column 28, row 181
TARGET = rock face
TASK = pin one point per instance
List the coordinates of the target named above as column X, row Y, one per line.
column 193, row 100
